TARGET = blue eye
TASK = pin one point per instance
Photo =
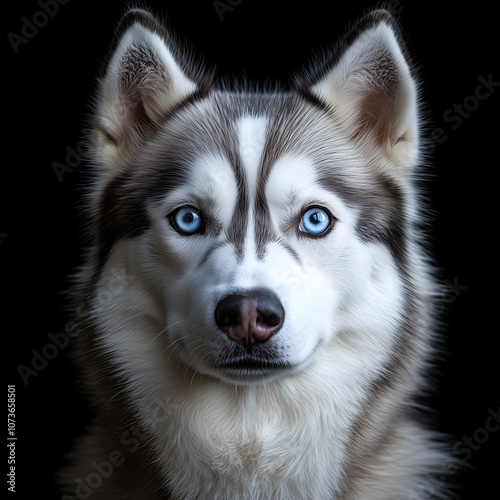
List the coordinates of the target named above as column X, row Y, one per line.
column 187, row 220
column 315, row 221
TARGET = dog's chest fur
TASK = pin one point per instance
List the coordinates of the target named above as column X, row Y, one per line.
column 264, row 442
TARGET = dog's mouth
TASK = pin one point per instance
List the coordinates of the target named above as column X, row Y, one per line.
column 258, row 364
column 250, row 368
column 252, row 364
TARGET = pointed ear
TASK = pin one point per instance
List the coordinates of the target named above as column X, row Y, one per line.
column 144, row 80
column 371, row 91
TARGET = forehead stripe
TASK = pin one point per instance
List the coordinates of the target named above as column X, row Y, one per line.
column 252, row 131
column 238, row 227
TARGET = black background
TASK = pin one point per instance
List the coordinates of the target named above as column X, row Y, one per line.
column 47, row 85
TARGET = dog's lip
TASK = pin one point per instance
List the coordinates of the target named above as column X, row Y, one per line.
column 252, row 364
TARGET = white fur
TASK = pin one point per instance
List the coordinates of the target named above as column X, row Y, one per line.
column 251, row 141
column 263, row 441
column 291, row 433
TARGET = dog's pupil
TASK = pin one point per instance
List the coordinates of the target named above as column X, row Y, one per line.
column 189, row 217
column 317, row 217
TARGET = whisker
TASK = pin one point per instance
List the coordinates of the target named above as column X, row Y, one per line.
column 164, row 330
column 200, row 354
column 175, row 343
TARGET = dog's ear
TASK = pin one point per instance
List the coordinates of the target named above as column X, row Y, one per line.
column 370, row 89
column 145, row 78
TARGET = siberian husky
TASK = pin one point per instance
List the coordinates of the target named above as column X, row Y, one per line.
column 256, row 314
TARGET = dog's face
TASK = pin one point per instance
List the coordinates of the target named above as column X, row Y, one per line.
column 254, row 254
column 254, row 229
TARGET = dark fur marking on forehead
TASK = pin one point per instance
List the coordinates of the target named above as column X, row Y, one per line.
column 239, row 221
column 237, row 230
column 279, row 140
column 231, row 107
column 263, row 229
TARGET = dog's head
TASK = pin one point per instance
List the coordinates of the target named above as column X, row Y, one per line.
column 242, row 233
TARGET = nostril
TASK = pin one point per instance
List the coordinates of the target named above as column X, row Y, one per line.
column 268, row 318
column 226, row 317
column 251, row 317
column 227, row 311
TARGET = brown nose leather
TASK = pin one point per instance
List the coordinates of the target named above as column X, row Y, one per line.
column 250, row 318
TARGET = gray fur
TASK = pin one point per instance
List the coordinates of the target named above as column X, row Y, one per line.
column 145, row 155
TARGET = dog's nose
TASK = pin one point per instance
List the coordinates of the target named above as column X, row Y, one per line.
column 251, row 317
